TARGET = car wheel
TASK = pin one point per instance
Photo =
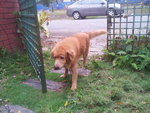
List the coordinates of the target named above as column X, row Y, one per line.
column 76, row 15
column 111, row 12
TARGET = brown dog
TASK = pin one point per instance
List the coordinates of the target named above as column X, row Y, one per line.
column 67, row 52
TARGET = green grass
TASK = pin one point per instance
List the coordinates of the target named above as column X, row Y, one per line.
column 106, row 90
column 15, row 68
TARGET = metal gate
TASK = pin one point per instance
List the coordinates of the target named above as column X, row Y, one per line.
column 134, row 23
column 31, row 37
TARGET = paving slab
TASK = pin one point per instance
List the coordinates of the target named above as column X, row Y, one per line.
column 8, row 108
column 51, row 85
column 81, row 71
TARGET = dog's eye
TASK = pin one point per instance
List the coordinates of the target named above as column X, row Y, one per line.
column 61, row 57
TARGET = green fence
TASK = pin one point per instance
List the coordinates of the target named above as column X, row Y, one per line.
column 31, row 37
column 133, row 24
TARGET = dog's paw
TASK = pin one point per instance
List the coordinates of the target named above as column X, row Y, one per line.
column 62, row 76
column 73, row 88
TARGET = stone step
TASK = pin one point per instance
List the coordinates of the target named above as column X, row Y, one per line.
column 51, row 85
column 8, row 108
column 81, row 71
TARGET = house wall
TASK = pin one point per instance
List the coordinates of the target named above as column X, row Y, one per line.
column 9, row 38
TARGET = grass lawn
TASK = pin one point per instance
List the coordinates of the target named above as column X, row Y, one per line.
column 106, row 90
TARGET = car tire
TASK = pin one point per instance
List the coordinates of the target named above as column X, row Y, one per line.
column 76, row 15
column 111, row 12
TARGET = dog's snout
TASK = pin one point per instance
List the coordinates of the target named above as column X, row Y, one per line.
column 56, row 68
column 58, row 65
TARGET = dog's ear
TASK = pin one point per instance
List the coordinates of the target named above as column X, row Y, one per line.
column 70, row 55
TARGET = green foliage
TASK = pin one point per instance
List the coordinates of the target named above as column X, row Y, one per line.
column 105, row 90
column 128, row 54
column 11, row 65
column 14, row 69
column 96, row 65
column 116, row 95
column 109, row 90
column 43, row 17
column 131, row 86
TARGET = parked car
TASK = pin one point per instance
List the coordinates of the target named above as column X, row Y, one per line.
column 83, row 8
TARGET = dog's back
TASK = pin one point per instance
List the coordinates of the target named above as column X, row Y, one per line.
column 84, row 40
column 79, row 42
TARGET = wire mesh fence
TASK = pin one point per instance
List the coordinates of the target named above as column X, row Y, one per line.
column 133, row 24
column 31, row 37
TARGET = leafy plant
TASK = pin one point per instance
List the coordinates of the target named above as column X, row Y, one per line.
column 42, row 16
column 43, row 20
column 128, row 54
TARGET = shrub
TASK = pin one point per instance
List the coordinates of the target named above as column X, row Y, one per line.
column 128, row 54
column 43, row 20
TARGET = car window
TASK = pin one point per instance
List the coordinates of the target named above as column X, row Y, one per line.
column 84, row 2
column 97, row 1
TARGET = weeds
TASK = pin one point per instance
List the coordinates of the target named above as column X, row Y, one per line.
column 106, row 90
column 14, row 65
column 14, row 69
column 128, row 54
column 110, row 90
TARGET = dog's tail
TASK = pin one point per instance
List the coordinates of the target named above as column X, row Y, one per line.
column 96, row 33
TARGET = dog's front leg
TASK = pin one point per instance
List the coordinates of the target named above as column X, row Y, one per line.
column 74, row 77
column 65, row 74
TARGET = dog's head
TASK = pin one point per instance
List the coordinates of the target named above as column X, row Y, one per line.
column 62, row 57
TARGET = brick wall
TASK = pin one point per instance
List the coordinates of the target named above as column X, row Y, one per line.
column 9, row 39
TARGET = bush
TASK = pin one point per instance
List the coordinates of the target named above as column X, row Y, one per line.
column 128, row 54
